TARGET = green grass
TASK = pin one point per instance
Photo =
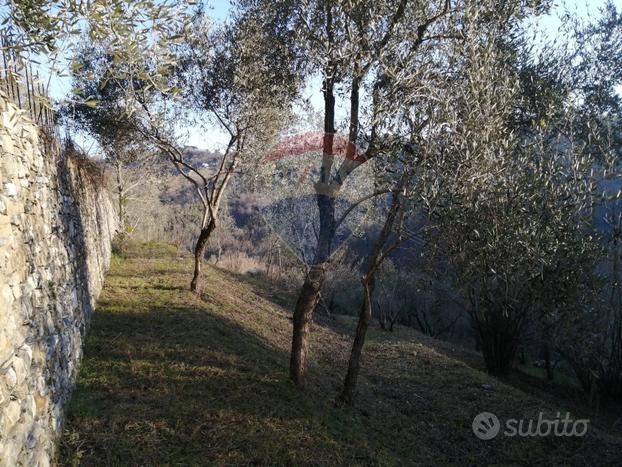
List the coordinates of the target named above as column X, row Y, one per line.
column 171, row 379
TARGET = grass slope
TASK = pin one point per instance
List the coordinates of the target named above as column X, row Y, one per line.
column 171, row 379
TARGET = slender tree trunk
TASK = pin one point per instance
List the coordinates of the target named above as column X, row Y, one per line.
column 199, row 253
column 547, row 362
column 120, row 195
column 354, row 364
column 219, row 254
column 374, row 262
column 310, row 293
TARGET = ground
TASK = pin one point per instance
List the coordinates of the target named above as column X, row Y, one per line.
column 169, row 378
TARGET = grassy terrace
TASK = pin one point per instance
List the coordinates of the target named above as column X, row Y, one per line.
column 172, row 379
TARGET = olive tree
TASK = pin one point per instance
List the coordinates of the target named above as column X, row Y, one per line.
column 99, row 112
column 416, row 80
column 55, row 31
column 589, row 339
column 246, row 91
column 209, row 77
column 343, row 44
column 515, row 201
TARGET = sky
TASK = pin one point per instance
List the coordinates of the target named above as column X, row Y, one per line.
column 545, row 27
column 220, row 9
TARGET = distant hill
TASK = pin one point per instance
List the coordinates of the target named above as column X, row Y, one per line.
column 202, row 158
column 178, row 190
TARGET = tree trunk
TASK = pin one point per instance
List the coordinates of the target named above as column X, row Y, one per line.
column 347, row 394
column 547, row 362
column 375, row 260
column 120, row 195
column 310, row 292
column 219, row 254
column 303, row 313
column 199, row 253
column 500, row 336
column 382, row 320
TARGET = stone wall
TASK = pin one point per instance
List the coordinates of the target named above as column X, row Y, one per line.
column 56, row 227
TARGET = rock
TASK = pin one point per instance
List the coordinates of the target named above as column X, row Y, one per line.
column 12, row 413
column 25, row 353
column 29, row 286
column 31, row 406
column 43, row 460
column 6, row 295
column 21, row 370
column 8, row 452
column 10, row 378
column 10, row 189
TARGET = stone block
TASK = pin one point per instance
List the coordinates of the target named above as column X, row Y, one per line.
column 6, row 296
column 8, row 450
column 21, row 370
column 10, row 189
column 41, row 404
column 43, row 460
column 12, row 413
column 10, row 378
column 25, row 353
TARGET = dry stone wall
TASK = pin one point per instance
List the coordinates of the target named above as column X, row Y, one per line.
column 56, row 228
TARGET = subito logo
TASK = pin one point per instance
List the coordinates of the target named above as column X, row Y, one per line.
column 486, row 426
column 305, row 171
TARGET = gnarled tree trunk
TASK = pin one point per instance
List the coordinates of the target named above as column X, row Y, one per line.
column 303, row 313
column 500, row 332
column 199, row 254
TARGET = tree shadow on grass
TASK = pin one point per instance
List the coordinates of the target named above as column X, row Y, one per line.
column 177, row 384
column 172, row 270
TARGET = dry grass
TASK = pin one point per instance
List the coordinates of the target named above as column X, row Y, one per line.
column 171, row 379
column 239, row 262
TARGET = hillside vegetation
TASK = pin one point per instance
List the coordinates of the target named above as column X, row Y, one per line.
column 169, row 378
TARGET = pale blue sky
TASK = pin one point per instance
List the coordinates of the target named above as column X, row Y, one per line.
column 220, row 9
